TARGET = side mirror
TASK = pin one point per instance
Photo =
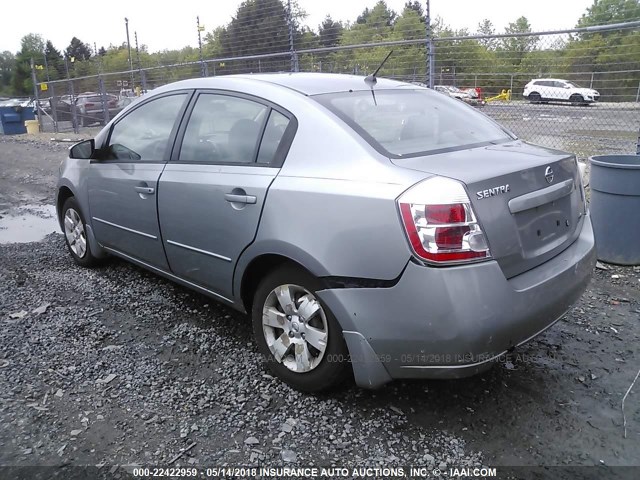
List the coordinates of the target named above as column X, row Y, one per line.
column 83, row 150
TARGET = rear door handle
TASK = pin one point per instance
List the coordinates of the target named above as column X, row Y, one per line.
column 145, row 190
column 232, row 198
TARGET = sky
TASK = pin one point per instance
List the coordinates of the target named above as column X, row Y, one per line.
column 162, row 27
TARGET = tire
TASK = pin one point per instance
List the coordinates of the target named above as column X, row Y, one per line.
column 576, row 99
column 285, row 340
column 75, row 234
column 535, row 97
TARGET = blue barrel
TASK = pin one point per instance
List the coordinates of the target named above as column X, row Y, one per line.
column 11, row 122
column 615, row 207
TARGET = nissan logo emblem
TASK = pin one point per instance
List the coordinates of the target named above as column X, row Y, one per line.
column 548, row 174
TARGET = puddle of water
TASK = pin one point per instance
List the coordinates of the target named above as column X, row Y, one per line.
column 27, row 223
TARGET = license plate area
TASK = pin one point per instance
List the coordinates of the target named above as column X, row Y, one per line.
column 544, row 228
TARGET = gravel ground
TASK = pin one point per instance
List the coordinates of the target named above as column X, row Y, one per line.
column 118, row 366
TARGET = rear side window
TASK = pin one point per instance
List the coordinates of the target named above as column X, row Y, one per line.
column 273, row 134
column 143, row 135
column 412, row 122
column 223, row 129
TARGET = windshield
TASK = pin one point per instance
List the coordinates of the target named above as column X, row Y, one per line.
column 413, row 122
column 573, row 84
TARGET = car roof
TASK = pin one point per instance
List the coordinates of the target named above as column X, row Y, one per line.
column 305, row 83
column 552, row 79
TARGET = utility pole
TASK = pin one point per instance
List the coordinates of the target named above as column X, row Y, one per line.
column 126, row 24
column 203, row 72
column 53, row 99
column 294, row 56
column 101, row 87
column 72, row 94
column 135, row 36
column 35, row 91
column 430, row 49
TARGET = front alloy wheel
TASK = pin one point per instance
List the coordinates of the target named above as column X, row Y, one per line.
column 75, row 234
column 299, row 337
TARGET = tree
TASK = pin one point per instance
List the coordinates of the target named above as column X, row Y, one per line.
column 409, row 26
column 377, row 27
column 408, row 61
column 606, row 51
column 485, row 27
column 515, row 48
column 330, row 32
column 78, row 50
column 31, row 47
column 7, row 66
column 55, row 61
column 212, row 43
column 259, row 27
column 610, row 11
column 416, row 6
column 380, row 12
column 362, row 18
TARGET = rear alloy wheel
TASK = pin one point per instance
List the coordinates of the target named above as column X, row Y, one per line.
column 535, row 97
column 299, row 337
column 75, row 234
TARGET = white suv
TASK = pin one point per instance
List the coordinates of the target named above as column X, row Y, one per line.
column 557, row 90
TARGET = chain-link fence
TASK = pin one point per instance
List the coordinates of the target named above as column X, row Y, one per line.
column 576, row 90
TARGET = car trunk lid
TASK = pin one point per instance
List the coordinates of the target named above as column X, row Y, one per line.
column 528, row 199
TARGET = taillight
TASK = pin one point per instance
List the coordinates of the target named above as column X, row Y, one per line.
column 88, row 104
column 440, row 222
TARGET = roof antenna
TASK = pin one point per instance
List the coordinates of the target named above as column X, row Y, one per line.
column 371, row 80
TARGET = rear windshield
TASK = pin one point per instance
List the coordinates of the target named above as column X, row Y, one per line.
column 403, row 123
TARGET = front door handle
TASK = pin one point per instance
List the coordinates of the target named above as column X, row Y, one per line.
column 233, row 198
column 145, row 190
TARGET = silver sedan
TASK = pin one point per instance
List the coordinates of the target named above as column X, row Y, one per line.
column 369, row 227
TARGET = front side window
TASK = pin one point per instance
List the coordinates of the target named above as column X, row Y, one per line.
column 223, row 129
column 143, row 135
column 412, row 122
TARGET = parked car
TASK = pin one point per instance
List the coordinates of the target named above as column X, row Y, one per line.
column 475, row 93
column 62, row 107
column 557, row 90
column 90, row 110
column 88, row 107
column 375, row 227
column 463, row 95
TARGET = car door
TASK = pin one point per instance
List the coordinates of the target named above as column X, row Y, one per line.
column 123, row 181
column 545, row 88
column 562, row 90
column 212, row 192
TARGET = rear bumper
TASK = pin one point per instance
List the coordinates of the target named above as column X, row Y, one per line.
column 452, row 322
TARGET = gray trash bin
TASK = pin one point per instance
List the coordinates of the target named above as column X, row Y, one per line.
column 615, row 207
